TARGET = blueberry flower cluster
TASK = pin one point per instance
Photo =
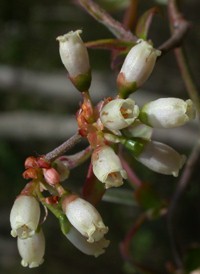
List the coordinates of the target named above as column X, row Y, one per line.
column 113, row 122
column 161, row 113
column 86, row 231
column 80, row 221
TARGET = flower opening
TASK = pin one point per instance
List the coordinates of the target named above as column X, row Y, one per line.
column 24, row 216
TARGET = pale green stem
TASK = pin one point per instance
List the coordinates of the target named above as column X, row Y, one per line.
column 54, row 209
column 57, row 212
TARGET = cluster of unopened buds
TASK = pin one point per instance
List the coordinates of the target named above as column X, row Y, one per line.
column 112, row 123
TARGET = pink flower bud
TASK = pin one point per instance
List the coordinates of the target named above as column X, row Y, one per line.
column 51, row 176
column 30, row 173
column 31, row 162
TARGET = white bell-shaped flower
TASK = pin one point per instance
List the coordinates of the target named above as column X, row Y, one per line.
column 119, row 114
column 107, row 167
column 84, row 217
column 74, row 53
column 32, row 250
column 24, row 216
column 167, row 112
column 80, row 242
column 138, row 65
column 161, row 158
column 75, row 58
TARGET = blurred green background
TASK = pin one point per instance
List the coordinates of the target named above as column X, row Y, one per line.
column 37, row 107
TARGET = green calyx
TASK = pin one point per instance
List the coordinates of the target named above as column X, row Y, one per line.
column 83, row 81
column 126, row 90
column 143, row 116
column 64, row 224
column 135, row 146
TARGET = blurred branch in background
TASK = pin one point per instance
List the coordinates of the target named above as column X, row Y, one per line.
column 44, row 125
column 46, row 84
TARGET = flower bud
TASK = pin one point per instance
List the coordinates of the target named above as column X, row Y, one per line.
column 137, row 67
column 31, row 161
column 24, row 216
column 75, row 58
column 167, row 112
column 107, row 167
column 32, row 250
column 51, row 176
column 118, row 114
column 84, row 217
column 161, row 158
column 79, row 241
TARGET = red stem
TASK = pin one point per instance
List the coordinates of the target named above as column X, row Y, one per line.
column 125, row 244
column 130, row 15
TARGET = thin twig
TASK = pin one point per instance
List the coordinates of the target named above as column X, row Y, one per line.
column 177, row 37
column 179, row 27
column 76, row 159
column 125, row 244
column 129, row 20
column 106, row 19
column 132, row 177
column 177, row 20
column 60, row 150
column 181, row 187
column 187, row 77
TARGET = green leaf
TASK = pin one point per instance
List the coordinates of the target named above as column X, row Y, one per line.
column 192, row 259
column 64, row 224
column 144, row 23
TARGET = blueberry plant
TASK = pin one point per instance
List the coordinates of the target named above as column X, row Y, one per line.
column 111, row 127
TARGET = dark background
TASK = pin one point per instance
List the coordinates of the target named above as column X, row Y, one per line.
column 37, row 107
